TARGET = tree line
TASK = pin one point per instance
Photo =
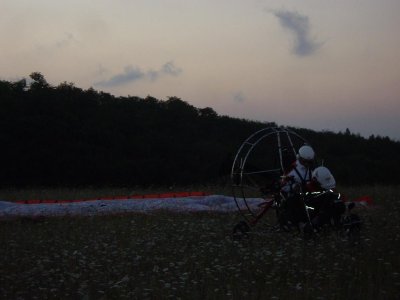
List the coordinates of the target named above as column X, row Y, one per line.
column 66, row 136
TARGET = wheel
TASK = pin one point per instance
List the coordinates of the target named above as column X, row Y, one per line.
column 240, row 231
column 258, row 166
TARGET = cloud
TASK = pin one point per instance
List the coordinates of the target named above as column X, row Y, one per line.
column 67, row 40
column 132, row 74
column 239, row 97
column 49, row 48
column 170, row 69
column 299, row 26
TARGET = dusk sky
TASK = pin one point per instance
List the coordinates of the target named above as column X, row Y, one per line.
column 323, row 65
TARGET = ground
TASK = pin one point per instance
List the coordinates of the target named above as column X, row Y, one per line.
column 192, row 256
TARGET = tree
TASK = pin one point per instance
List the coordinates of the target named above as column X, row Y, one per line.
column 64, row 135
column 38, row 80
column 207, row 112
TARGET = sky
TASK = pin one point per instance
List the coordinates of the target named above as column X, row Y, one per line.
column 322, row 65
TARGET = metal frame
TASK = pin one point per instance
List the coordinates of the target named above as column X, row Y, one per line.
column 239, row 172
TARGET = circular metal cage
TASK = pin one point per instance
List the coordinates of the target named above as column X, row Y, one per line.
column 259, row 164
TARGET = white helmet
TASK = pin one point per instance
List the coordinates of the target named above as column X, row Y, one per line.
column 324, row 177
column 306, row 152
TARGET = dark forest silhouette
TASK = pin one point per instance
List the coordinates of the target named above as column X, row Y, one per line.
column 66, row 136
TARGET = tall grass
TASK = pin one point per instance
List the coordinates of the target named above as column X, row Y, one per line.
column 192, row 256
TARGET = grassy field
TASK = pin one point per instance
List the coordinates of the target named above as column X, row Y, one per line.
column 192, row 256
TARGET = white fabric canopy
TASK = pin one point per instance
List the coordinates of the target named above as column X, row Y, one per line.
column 212, row 203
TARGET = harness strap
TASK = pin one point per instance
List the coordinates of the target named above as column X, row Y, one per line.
column 303, row 180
